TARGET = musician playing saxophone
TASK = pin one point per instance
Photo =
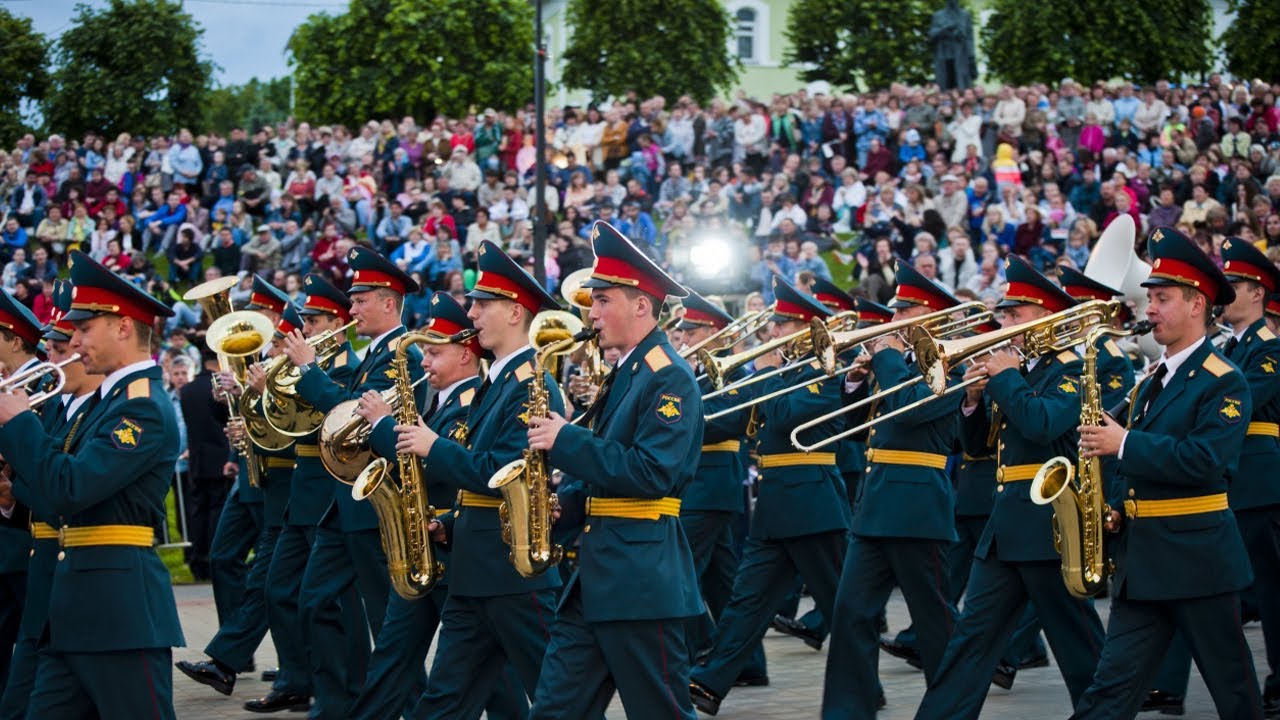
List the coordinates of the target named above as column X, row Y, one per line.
column 492, row 613
column 1034, row 414
column 622, row 620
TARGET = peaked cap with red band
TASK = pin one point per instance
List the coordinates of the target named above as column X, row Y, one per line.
column 832, row 296
column 58, row 327
column 449, row 318
column 502, row 279
column 290, row 320
column 98, row 291
column 791, row 304
column 1175, row 260
column 1243, row 260
column 871, row 312
column 619, row 263
column 1084, row 288
column 324, row 299
column 266, row 296
column 916, row 289
column 1273, row 305
column 372, row 271
column 19, row 320
column 1029, row 287
column 699, row 312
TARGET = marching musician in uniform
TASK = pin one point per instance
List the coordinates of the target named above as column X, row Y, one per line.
column 492, row 615
column 1254, row 496
column 347, row 552
column 621, row 624
column 1273, row 312
column 802, row 512
column 311, row 490
column 1185, row 433
column 59, row 417
column 1030, row 418
column 395, row 680
column 109, row 488
column 904, row 516
column 710, row 505
column 240, row 635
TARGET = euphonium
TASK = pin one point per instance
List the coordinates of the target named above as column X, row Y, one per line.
column 282, row 407
column 1076, row 490
column 236, row 336
column 404, row 514
column 528, row 503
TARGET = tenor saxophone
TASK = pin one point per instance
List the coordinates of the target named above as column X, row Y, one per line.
column 404, row 514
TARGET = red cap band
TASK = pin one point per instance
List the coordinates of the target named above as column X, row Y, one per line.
column 792, row 310
column 1085, row 292
column 873, row 318
column 374, row 278
column 697, row 317
column 19, row 328
column 506, row 287
column 101, row 300
column 284, row 327
column 270, row 302
column 326, row 305
column 445, row 328
column 1249, row 271
column 921, row 296
column 834, row 301
column 619, row 272
column 1034, row 294
column 1185, row 274
column 1273, row 306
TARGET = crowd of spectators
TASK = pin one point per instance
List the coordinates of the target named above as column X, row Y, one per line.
column 951, row 181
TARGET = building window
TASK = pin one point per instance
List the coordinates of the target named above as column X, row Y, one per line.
column 750, row 39
column 746, row 34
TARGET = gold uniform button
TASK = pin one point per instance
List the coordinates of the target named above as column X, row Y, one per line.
column 1004, row 426
column 33, row 552
column 1131, row 493
column 62, row 555
column 1000, row 487
column 586, row 529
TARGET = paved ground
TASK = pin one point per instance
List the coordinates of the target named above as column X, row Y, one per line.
column 794, row 669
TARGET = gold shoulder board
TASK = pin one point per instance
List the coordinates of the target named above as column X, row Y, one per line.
column 1067, row 356
column 1114, row 349
column 1216, row 365
column 465, row 398
column 656, row 359
column 525, row 371
column 340, row 360
column 140, row 388
column 1265, row 333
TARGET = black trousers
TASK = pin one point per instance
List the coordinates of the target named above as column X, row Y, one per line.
column 204, row 501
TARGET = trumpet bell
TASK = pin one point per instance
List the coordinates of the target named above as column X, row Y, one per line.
column 1051, row 480
column 572, row 291
column 213, row 296
column 554, row 326
column 240, row 334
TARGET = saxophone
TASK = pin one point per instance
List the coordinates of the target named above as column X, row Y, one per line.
column 528, row 503
column 404, row 514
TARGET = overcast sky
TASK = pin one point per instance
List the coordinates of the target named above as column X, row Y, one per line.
column 245, row 38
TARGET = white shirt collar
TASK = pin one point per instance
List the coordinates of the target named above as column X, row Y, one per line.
column 495, row 370
column 1175, row 361
column 375, row 343
column 448, row 392
column 29, row 363
column 120, row 374
column 75, row 404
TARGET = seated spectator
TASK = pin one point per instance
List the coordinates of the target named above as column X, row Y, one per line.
column 809, row 261
column 53, row 230
column 956, row 262
column 14, row 236
column 440, row 263
column 261, row 253
column 42, row 304
column 15, row 270
column 226, row 253
column 163, row 224
column 116, row 260
column 42, row 267
column 413, row 253
column 185, row 259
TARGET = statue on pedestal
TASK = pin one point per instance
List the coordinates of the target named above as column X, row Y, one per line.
column 951, row 37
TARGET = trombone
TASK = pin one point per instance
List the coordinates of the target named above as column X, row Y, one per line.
column 35, row 374
column 937, row 358
column 742, row 327
column 939, row 323
column 814, row 340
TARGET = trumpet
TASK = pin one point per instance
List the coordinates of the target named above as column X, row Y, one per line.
column 283, row 408
column 940, row 322
column 937, row 358
column 744, row 326
column 814, row 340
column 593, row 366
column 36, row 374
column 344, row 435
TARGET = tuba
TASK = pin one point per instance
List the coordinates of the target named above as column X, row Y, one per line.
column 404, row 514
column 1076, row 491
column 528, row 503
column 282, row 407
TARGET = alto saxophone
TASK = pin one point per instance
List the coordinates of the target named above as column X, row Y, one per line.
column 528, row 503
column 404, row 515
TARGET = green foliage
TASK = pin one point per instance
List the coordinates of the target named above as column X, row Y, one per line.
column 131, row 65
column 388, row 58
column 672, row 48
column 861, row 45
column 250, row 106
column 23, row 75
column 1089, row 40
column 1252, row 42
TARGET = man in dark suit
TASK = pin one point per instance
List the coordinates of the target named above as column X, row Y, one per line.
column 208, row 480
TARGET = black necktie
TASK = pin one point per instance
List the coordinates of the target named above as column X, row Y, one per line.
column 484, row 387
column 1154, row 387
column 435, row 405
column 1230, row 346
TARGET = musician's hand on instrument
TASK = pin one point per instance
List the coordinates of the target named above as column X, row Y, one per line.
column 438, row 534
column 1002, row 360
column 768, row 360
column 226, row 383
column 973, row 393
column 416, row 439
column 256, row 378
column 230, row 469
column 543, row 431
column 1101, row 440
column 235, row 430
column 297, row 349
column 13, row 404
column 861, row 368
column 888, row 342
column 1112, row 520
column 372, row 407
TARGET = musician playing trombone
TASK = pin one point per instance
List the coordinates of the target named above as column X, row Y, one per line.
column 903, row 519
column 1032, row 417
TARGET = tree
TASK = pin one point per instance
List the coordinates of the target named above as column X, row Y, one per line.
column 23, row 59
column 386, row 58
column 1252, row 42
column 861, row 45
column 133, row 65
column 1090, row 40
column 250, row 106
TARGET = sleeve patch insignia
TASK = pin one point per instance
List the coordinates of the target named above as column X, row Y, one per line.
column 392, row 374
column 669, row 408
column 1269, row 365
column 459, row 432
column 1068, row 386
column 523, row 417
column 126, row 434
column 1230, row 410
column 814, row 388
column 1115, row 383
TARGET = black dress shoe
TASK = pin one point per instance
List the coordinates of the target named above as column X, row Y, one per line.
column 880, row 701
column 795, row 628
column 703, row 699
column 883, row 626
column 752, row 681
column 1038, row 661
column 210, row 673
column 1271, row 707
column 248, row 668
column 1163, row 703
column 898, row 650
column 270, row 675
column 1003, row 676
column 277, row 701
